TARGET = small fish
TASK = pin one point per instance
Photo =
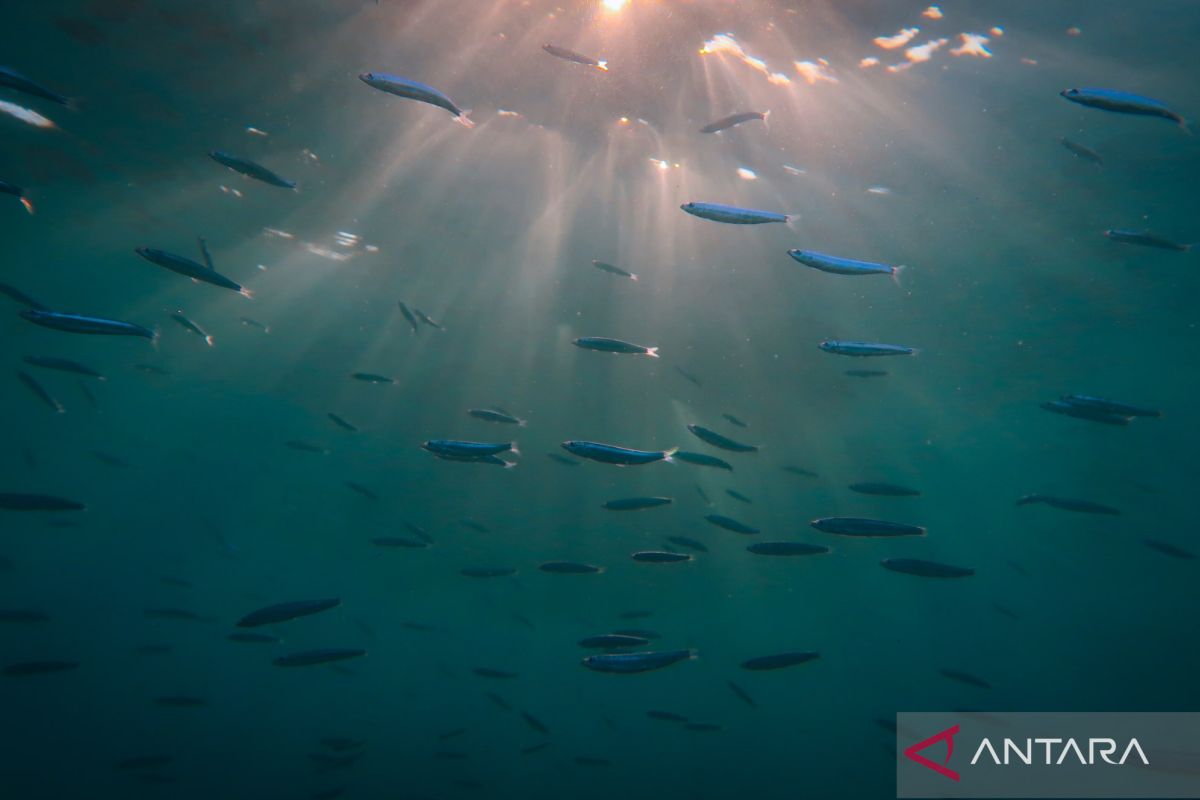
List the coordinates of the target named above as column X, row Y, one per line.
column 741, row 693
column 418, row 531
column 660, row 557
column 17, row 501
column 193, row 327
column 305, row 447
column 495, row 415
column 341, row 422
column 609, row 640
column 734, row 215
column 844, row 266
column 1146, row 240
column 600, row 265
column 1068, row 504
column 779, row 661
column 666, row 716
column 19, row 297
column 251, row 323
column 488, row 572
column 640, row 632
column 636, row 503
column 191, row 269
column 690, row 544
column 499, row 701
column 86, row 392
column 857, row 526
column 925, row 569
column 418, row 626
column 24, row 668
column 306, row 658
column 180, row 701
column 1109, row 406
column 1166, row 548
column 630, row 663
column 575, row 58
column 883, row 489
column 730, row 524
column 363, row 490
column 421, row 315
column 399, row 541
column 11, row 79
column 411, row 90
column 736, row 495
column 606, row 345
column 250, row 169
column 282, row 612
column 725, row 123
column 480, row 452
column 32, row 384
column 1085, row 412
column 866, row 373
column 253, row 638
column 475, row 526
column 498, row 674
column 78, row 323
column 535, row 723
column 535, row 748
column 689, row 377
column 703, row 460
column 409, row 316
column 62, row 365
column 723, row 442
column 1086, row 153
column 22, row 615
column 612, row 454
column 787, row 549
column 569, row 568
column 17, row 192
column 965, row 677
column 561, row 459
column 735, row 421
column 866, row 349
column 370, row 377
column 1123, row 103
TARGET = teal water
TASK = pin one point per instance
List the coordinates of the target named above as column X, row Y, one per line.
column 1011, row 292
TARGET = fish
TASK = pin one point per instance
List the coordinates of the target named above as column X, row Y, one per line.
column 866, row 373
column 180, row 701
column 251, row 169
column 1068, row 504
column 666, row 716
column 480, row 452
column 690, row 544
column 499, row 701
column 600, row 265
column 689, row 377
column 1123, row 103
column 844, row 266
column 723, row 442
column 1085, row 412
column 11, row 79
column 569, row 568
column 17, row 192
column 612, row 454
column 282, row 612
column 742, row 694
column 252, row 323
column 535, row 723
column 409, row 316
column 730, row 524
column 703, row 460
column 341, row 422
column 608, row 640
column 631, row 663
column 412, row 90
column 866, row 349
column 1109, row 406
column 193, row 327
column 883, row 489
column 858, row 526
column 191, row 269
column 24, row 668
column 575, row 58
column 495, row 415
column 488, row 572
column 925, row 569
column 22, row 615
column 736, row 495
column 418, row 531
column 370, row 377
column 63, row 365
column 305, row 447
column 253, row 638
column 32, row 384
column 636, row 503
column 1146, row 240
column 703, row 495
column 735, row 216
column 1166, row 548
column 1086, row 153
column 779, row 661
column 18, row 501
column 489, row 672
column 144, row 762
column 734, row 421
column 475, row 526
column 425, row 318
column 660, row 557
column 787, row 549
column 606, row 345
column 725, row 123
column 801, row 471
column 561, row 459
column 363, row 490
column 16, row 295
column 325, row 655
column 965, row 677
column 399, row 541
column 79, row 323
column 525, row 751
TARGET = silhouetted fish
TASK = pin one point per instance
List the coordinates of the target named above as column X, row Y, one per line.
column 326, row 655
column 779, row 661
column 926, row 569
column 282, row 612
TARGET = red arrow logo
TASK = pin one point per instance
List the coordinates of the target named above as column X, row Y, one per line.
column 947, row 735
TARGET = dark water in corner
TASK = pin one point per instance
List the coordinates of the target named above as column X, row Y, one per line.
column 1012, row 293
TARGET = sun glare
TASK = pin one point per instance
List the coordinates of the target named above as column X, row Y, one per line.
column 614, row 5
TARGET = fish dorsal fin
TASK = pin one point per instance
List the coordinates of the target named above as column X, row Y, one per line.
column 204, row 250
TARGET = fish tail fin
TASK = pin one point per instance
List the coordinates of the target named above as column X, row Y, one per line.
column 208, row 339
column 766, row 114
column 512, row 447
column 1183, row 126
column 602, row 66
column 27, row 203
column 462, row 119
column 522, row 423
column 246, row 293
column 791, row 219
column 509, row 464
column 157, row 335
column 652, row 352
column 633, row 276
column 75, row 104
column 669, row 455
column 896, row 273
